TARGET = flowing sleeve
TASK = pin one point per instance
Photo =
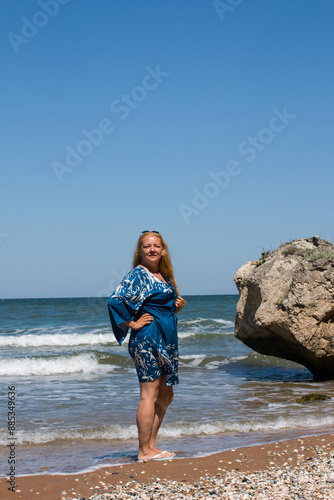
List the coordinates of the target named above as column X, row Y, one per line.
column 125, row 301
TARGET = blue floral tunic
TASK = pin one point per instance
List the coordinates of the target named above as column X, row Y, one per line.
column 154, row 347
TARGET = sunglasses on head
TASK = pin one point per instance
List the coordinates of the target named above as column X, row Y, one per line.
column 150, row 231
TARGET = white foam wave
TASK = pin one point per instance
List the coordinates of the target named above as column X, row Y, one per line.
column 194, row 360
column 181, row 429
column 113, row 432
column 192, row 333
column 199, row 321
column 202, row 326
column 226, row 427
column 55, row 365
column 56, row 339
column 223, row 322
column 192, row 356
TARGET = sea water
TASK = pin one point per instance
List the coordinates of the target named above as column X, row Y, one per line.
column 76, row 389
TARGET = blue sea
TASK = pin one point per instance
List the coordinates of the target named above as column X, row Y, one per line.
column 76, row 389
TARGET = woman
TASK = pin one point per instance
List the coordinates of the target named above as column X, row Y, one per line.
column 146, row 301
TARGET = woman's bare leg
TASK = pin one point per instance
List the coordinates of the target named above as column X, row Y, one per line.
column 155, row 397
column 165, row 397
column 145, row 416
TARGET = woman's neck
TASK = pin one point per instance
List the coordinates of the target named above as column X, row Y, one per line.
column 152, row 269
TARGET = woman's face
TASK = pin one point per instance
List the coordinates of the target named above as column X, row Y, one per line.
column 150, row 251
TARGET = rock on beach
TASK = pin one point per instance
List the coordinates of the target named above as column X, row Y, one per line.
column 286, row 305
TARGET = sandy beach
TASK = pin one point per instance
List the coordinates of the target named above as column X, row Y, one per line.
column 300, row 468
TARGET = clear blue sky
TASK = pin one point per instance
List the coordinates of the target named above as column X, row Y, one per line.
column 211, row 122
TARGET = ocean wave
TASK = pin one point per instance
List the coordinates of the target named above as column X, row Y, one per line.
column 204, row 333
column 200, row 320
column 204, row 327
column 113, row 432
column 205, row 323
column 56, row 339
column 86, row 363
column 226, row 427
column 175, row 430
column 210, row 362
column 95, row 362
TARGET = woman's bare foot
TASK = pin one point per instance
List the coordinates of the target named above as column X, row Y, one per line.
column 167, row 454
column 161, row 455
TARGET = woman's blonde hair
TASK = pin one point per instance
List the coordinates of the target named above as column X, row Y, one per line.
column 165, row 264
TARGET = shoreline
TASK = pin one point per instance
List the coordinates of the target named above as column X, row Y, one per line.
column 291, row 455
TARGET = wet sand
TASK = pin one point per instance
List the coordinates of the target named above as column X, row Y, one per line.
column 227, row 473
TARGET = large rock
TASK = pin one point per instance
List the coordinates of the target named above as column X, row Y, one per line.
column 286, row 305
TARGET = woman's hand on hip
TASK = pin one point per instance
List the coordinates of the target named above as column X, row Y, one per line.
column 144, row 320
column 179, row 303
